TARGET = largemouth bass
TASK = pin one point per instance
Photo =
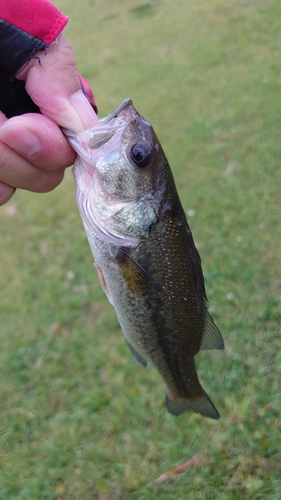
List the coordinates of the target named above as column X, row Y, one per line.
column 144, row 252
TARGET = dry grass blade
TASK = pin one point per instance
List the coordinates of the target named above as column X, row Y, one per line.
column 170, row 474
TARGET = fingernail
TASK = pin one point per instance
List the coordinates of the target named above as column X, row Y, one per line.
column 84, row 109
column 21, row 140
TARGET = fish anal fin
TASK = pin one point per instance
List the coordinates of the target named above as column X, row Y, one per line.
column 137, row 356
column 201, row 404
column 133, row 274
column 212, row 338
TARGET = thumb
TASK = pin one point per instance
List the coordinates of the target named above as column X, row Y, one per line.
column 52, row 81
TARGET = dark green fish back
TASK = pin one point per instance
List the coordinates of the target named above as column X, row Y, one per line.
column 178, row 291
column 177, row 280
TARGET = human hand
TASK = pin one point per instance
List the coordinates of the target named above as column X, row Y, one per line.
column 33, row 149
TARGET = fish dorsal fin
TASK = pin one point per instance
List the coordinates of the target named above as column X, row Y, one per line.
column 212, row 338
column 134, row 275
column 137, row 356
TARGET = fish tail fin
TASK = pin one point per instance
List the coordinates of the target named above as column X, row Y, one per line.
column 201, row 404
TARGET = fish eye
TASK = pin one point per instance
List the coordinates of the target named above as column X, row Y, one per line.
column 140, row 155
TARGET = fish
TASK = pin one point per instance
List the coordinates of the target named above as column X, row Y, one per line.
column 144, row 252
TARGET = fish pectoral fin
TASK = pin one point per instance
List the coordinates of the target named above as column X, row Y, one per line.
column 137, row 356
column 201, row 404
column 134, row 275
column 212, row 338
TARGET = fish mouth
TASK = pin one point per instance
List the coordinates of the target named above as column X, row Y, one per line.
column 116, row 122
column 110, row 126
column 120, row 113
column 101, row 133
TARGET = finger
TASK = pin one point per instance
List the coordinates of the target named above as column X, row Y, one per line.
column 18, row 172
column 3, row 118
column 55, row 87
column 6, row 193
column 39, row 140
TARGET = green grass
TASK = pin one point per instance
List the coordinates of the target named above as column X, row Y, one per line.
column 79, row 419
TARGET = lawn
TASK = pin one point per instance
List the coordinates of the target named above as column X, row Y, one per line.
column 79, row 418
